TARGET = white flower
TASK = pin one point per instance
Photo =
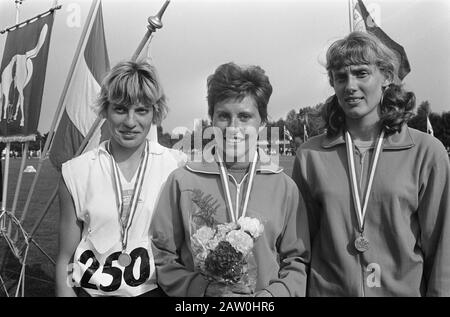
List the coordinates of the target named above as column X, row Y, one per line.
column 203, row 235
column 252, row 226
column 240, row 241
column 223, row 229
column 213, row 243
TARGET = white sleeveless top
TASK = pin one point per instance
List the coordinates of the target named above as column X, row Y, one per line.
column 90, row 181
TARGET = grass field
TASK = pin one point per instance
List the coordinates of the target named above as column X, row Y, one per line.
column 40, row 271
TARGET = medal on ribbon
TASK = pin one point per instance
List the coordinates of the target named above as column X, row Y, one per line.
column 361, row 242
column 224, row 178
column 125, row 221
column 124, row 259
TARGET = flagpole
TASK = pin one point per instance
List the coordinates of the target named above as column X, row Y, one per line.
column 59, row 109
column 18, row 4
column 5, row 185
column 350, row 14
column 19, row 180
column 154, row 22
column 8, row 147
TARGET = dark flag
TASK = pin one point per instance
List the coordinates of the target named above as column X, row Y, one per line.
column 22, row 79
column 402, row 66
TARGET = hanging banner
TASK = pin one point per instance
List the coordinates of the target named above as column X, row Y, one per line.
column 22, row 79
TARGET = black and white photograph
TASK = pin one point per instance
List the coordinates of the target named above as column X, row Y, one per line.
column 224, row 154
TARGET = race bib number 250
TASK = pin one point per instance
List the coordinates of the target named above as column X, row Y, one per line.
column 109, row 277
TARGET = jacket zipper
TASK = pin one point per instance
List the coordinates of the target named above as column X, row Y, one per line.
column 238, row 192
column 361, row 161
column 362, row 276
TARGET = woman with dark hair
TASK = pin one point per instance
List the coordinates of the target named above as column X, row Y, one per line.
column 377, row 192
column 107, row 195
column 234, row 225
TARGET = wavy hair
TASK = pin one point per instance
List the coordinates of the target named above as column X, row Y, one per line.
column 130, row 83
column 231, row 81
column 363, row 48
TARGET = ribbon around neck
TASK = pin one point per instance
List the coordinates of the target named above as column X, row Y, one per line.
column 361, row 210
column 125, row 225
column 224, row 178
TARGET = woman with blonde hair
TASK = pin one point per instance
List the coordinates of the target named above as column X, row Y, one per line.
column 107, row 195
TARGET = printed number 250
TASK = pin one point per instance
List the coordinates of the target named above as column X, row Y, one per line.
column 115, row 272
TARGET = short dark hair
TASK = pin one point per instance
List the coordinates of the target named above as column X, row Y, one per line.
column 131, row 82
column 232, row 81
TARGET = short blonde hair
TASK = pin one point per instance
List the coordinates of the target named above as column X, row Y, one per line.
column 130, row 83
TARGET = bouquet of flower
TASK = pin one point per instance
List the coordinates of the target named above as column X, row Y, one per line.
column 223, row 252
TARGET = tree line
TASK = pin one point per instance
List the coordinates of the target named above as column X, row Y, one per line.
column 301, row 124
column 307, row 122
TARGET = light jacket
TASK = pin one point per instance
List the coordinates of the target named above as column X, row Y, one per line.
column 274, row 199
column 407, row 221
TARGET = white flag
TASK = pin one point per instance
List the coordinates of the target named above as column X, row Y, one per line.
column 429, row 127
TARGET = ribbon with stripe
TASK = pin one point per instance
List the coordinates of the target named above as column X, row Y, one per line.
column 125, row 225
column 361, row 243
column 224, row 178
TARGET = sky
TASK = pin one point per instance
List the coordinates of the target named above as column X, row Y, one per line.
column 287, row 38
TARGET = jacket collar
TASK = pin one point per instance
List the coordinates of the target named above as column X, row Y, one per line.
column 264, row 165
column 397, row 141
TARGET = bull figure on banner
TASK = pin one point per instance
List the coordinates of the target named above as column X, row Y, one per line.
column 23, row 71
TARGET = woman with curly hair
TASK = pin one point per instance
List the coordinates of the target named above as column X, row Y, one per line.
column 377, row 192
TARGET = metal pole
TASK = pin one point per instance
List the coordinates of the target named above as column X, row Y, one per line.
column 19, row 184
column 8, row 145
column 19, row 180
column 18, row 4
column 60, row 108
column 5, row 185
column 154, row 22
column 350, row 14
